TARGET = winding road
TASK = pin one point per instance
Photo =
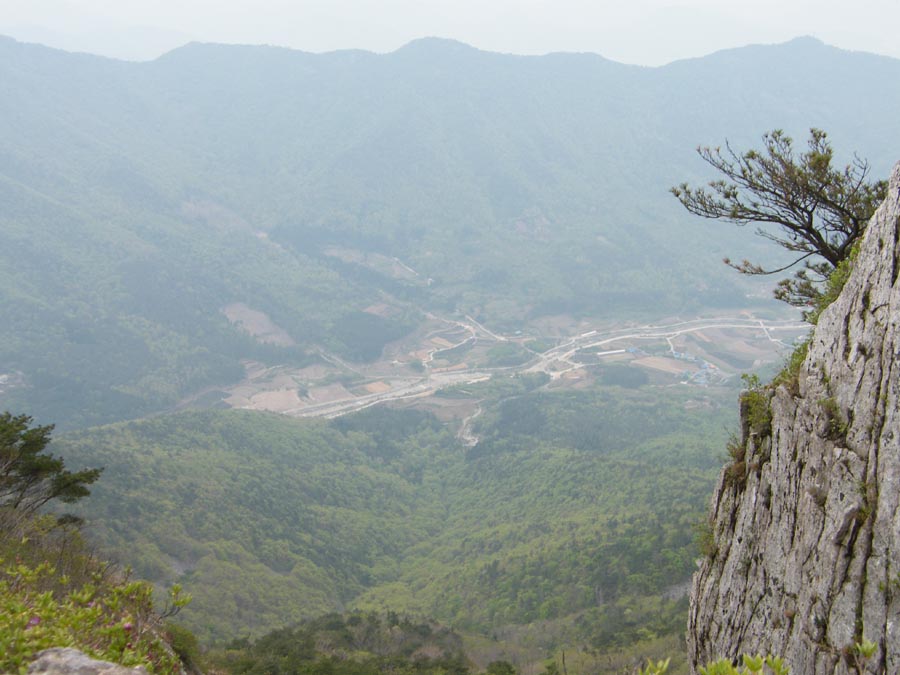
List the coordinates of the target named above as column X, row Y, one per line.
column 546, row 362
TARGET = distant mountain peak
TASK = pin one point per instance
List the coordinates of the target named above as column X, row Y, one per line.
column 804, row 41
column 434, row 43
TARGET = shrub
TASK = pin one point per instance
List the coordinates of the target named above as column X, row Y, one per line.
column 790, row 374
column 110, row 621
column 755, row 406
column 836, row 425
column 185, row 644
column 705, row 538
column 833, row 286
column 751, row 666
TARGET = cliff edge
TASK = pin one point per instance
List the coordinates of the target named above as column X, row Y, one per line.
column 803, row 556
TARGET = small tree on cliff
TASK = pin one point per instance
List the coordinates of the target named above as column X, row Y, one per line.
column 801, row 202
column 29, row 476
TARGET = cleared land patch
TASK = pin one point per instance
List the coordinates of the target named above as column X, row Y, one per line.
column 258, row 324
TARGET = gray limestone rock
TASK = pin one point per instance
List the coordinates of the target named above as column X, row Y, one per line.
column 67, row 661
column 806, row 537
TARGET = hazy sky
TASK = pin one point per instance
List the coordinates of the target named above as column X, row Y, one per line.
column 648, row 32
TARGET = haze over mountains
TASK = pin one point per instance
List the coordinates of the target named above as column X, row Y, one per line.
column 142, row 198
column 350, row 224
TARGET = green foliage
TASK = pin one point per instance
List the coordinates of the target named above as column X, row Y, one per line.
column 507, row 354
column 110, row 620
column 54, row 591
column 30, row 477
column 185, row 644
column 867, row 497
column 833, row 286
column 865, row 649
column 624, row 376
column 751, row 665
column 266, row 519
column 737, row 451
column 705, row 538
column 120, row 250
column 815, row 211
column 539, row 345
column 362, row 336
column 756, row 406
column 611, row 421
column 499, row 387
column 500, row 668
column 736, row 474
column 658, row 668
column 832, row 289
column 352, row 644
column 836, row 425
column 789, row 375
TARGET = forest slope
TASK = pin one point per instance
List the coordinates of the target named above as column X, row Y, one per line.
column 266, row 520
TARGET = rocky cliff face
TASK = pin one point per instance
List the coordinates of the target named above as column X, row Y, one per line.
column 804, row 557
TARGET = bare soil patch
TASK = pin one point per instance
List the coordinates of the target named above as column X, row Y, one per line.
column 381, row 309
column 258, row 324
column 328, row 393
column 379, row 387
column 276, row 401
column 665, row 365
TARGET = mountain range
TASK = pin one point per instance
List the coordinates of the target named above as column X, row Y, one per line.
column 140, row 199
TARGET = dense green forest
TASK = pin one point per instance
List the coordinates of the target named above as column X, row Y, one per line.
column 268, row 520
column 354, row 644
column 142, row 198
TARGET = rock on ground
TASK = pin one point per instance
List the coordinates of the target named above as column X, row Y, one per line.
column 68, row 661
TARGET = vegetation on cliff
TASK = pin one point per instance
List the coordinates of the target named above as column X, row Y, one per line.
column 804, row 545
column 803, row 203
column 53, row 590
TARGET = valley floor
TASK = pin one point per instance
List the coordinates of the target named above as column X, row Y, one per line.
column 448, row 353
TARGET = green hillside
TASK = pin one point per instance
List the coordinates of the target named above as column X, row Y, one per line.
column 267, row 520
column 354, row 644
column 140, row 199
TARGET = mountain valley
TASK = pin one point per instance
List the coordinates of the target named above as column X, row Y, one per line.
column 396, row 347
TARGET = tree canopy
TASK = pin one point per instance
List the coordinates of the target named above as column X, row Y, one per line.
column 31, row 477
column 802, row 202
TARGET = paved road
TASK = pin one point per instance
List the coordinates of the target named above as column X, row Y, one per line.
column 428, row 384
column 592, row 339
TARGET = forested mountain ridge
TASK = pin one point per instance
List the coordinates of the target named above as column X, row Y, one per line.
column 142, row 198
